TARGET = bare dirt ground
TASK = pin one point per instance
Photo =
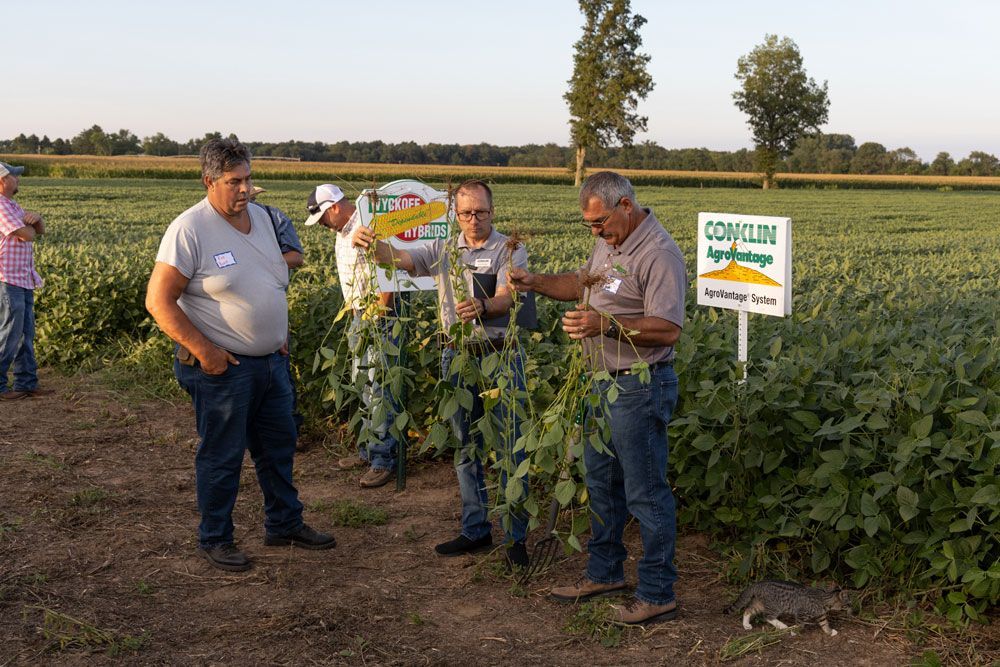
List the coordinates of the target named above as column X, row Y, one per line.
column 98, row 565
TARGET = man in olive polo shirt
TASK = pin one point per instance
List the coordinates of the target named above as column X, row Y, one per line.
column 635, row 316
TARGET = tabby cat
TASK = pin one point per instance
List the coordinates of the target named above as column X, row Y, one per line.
column 778, row 598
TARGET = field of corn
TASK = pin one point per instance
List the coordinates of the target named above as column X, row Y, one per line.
column 864, row 447
column 86, row 166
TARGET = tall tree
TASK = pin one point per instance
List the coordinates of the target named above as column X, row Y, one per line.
column 92, row 141
column 609, row 79
column 943, row 164
column 871, row 158
column 782, row 102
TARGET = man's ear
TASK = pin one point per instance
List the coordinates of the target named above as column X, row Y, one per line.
column 207, row 182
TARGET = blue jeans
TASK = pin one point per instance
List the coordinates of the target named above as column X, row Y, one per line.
column 380, row 453
column 633, row 479
column 17, row 337
column 469, row 462
column 248, row 407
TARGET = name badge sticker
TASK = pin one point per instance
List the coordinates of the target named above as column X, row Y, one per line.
column 612, row 285
column 484, row 263
column 224, row 259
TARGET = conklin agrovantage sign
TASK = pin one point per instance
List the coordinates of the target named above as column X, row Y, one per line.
column 745, row 263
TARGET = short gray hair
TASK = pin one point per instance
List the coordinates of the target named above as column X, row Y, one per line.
column 218, row 156
column 608, row 187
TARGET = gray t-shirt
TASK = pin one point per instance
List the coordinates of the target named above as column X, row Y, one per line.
column 492, row 258
column 236, row 290
column 644, row 277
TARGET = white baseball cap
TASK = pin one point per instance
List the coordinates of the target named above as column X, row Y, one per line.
column 320, row 199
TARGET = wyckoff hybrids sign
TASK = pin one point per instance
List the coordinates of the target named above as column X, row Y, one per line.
column 745, row 263
column 406, row 214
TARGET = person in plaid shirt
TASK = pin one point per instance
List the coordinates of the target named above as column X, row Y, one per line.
column 18, row 282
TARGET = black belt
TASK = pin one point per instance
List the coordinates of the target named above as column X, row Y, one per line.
column 652, row 367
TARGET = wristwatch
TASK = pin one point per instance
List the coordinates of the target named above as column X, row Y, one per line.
column 613, row 331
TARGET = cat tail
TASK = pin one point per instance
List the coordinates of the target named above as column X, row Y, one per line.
column 741, row 602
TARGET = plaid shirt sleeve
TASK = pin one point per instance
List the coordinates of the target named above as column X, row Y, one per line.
column 11, row 216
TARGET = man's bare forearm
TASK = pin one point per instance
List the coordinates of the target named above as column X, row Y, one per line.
column 386, row 255
column 558, row 286
column 652, row 331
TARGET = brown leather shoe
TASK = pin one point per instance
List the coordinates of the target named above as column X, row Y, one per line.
column 375, row 477
column 584, row 589
column 13, row 395
column 351, row 462
column 39, row 392
column 635, row 611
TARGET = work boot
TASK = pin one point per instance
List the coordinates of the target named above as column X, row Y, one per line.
column 304, row 538
column 635, row 611
column 585, row 589
column 463, row 545
column 517, row 556
column 375, row 477
column 38, row 391
column 226, row 557
column 13, row 395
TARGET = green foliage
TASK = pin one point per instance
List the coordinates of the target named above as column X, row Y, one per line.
column 779, row 99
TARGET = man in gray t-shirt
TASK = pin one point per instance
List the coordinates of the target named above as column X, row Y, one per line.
column 218, row 290
column 634, row 314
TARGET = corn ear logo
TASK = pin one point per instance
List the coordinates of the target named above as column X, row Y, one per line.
column 741, row 274
column 390, row 224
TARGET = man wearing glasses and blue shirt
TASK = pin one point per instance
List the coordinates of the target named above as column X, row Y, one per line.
column 635, row 317
column 485, row 252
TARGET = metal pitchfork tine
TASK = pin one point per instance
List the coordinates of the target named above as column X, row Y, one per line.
column 544, row 553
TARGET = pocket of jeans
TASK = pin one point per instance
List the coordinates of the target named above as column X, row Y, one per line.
column 202, row 373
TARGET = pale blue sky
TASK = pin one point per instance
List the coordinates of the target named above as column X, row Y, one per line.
column 921, row 74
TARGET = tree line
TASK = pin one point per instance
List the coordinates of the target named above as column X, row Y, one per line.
column 813, row 153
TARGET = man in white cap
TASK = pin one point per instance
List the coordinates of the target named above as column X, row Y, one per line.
column 329, row 208
column 18, row 282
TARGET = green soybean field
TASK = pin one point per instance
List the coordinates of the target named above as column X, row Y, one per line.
column 864, row 445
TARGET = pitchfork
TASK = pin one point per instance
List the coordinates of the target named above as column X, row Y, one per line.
column 544, row 553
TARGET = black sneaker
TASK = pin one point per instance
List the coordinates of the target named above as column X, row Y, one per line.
column 463, row 545
column 517, row 555
column 304, row 538
column 226, row 557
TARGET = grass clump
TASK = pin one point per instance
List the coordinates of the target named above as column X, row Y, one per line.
column 349, row 514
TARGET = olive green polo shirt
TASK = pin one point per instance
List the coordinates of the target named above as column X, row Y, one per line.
column 643, row 277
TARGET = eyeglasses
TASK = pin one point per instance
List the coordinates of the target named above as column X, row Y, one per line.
column 466, row 216
column 600, row 223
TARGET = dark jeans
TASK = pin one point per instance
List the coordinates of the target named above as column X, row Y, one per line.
column 17, row 337
column 633, row 479
column 469, row 462
column 380, row 450
column 248, row 407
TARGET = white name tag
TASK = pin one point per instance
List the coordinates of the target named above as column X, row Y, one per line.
column 224, row 259
column 612, row 285
column 484, row 263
